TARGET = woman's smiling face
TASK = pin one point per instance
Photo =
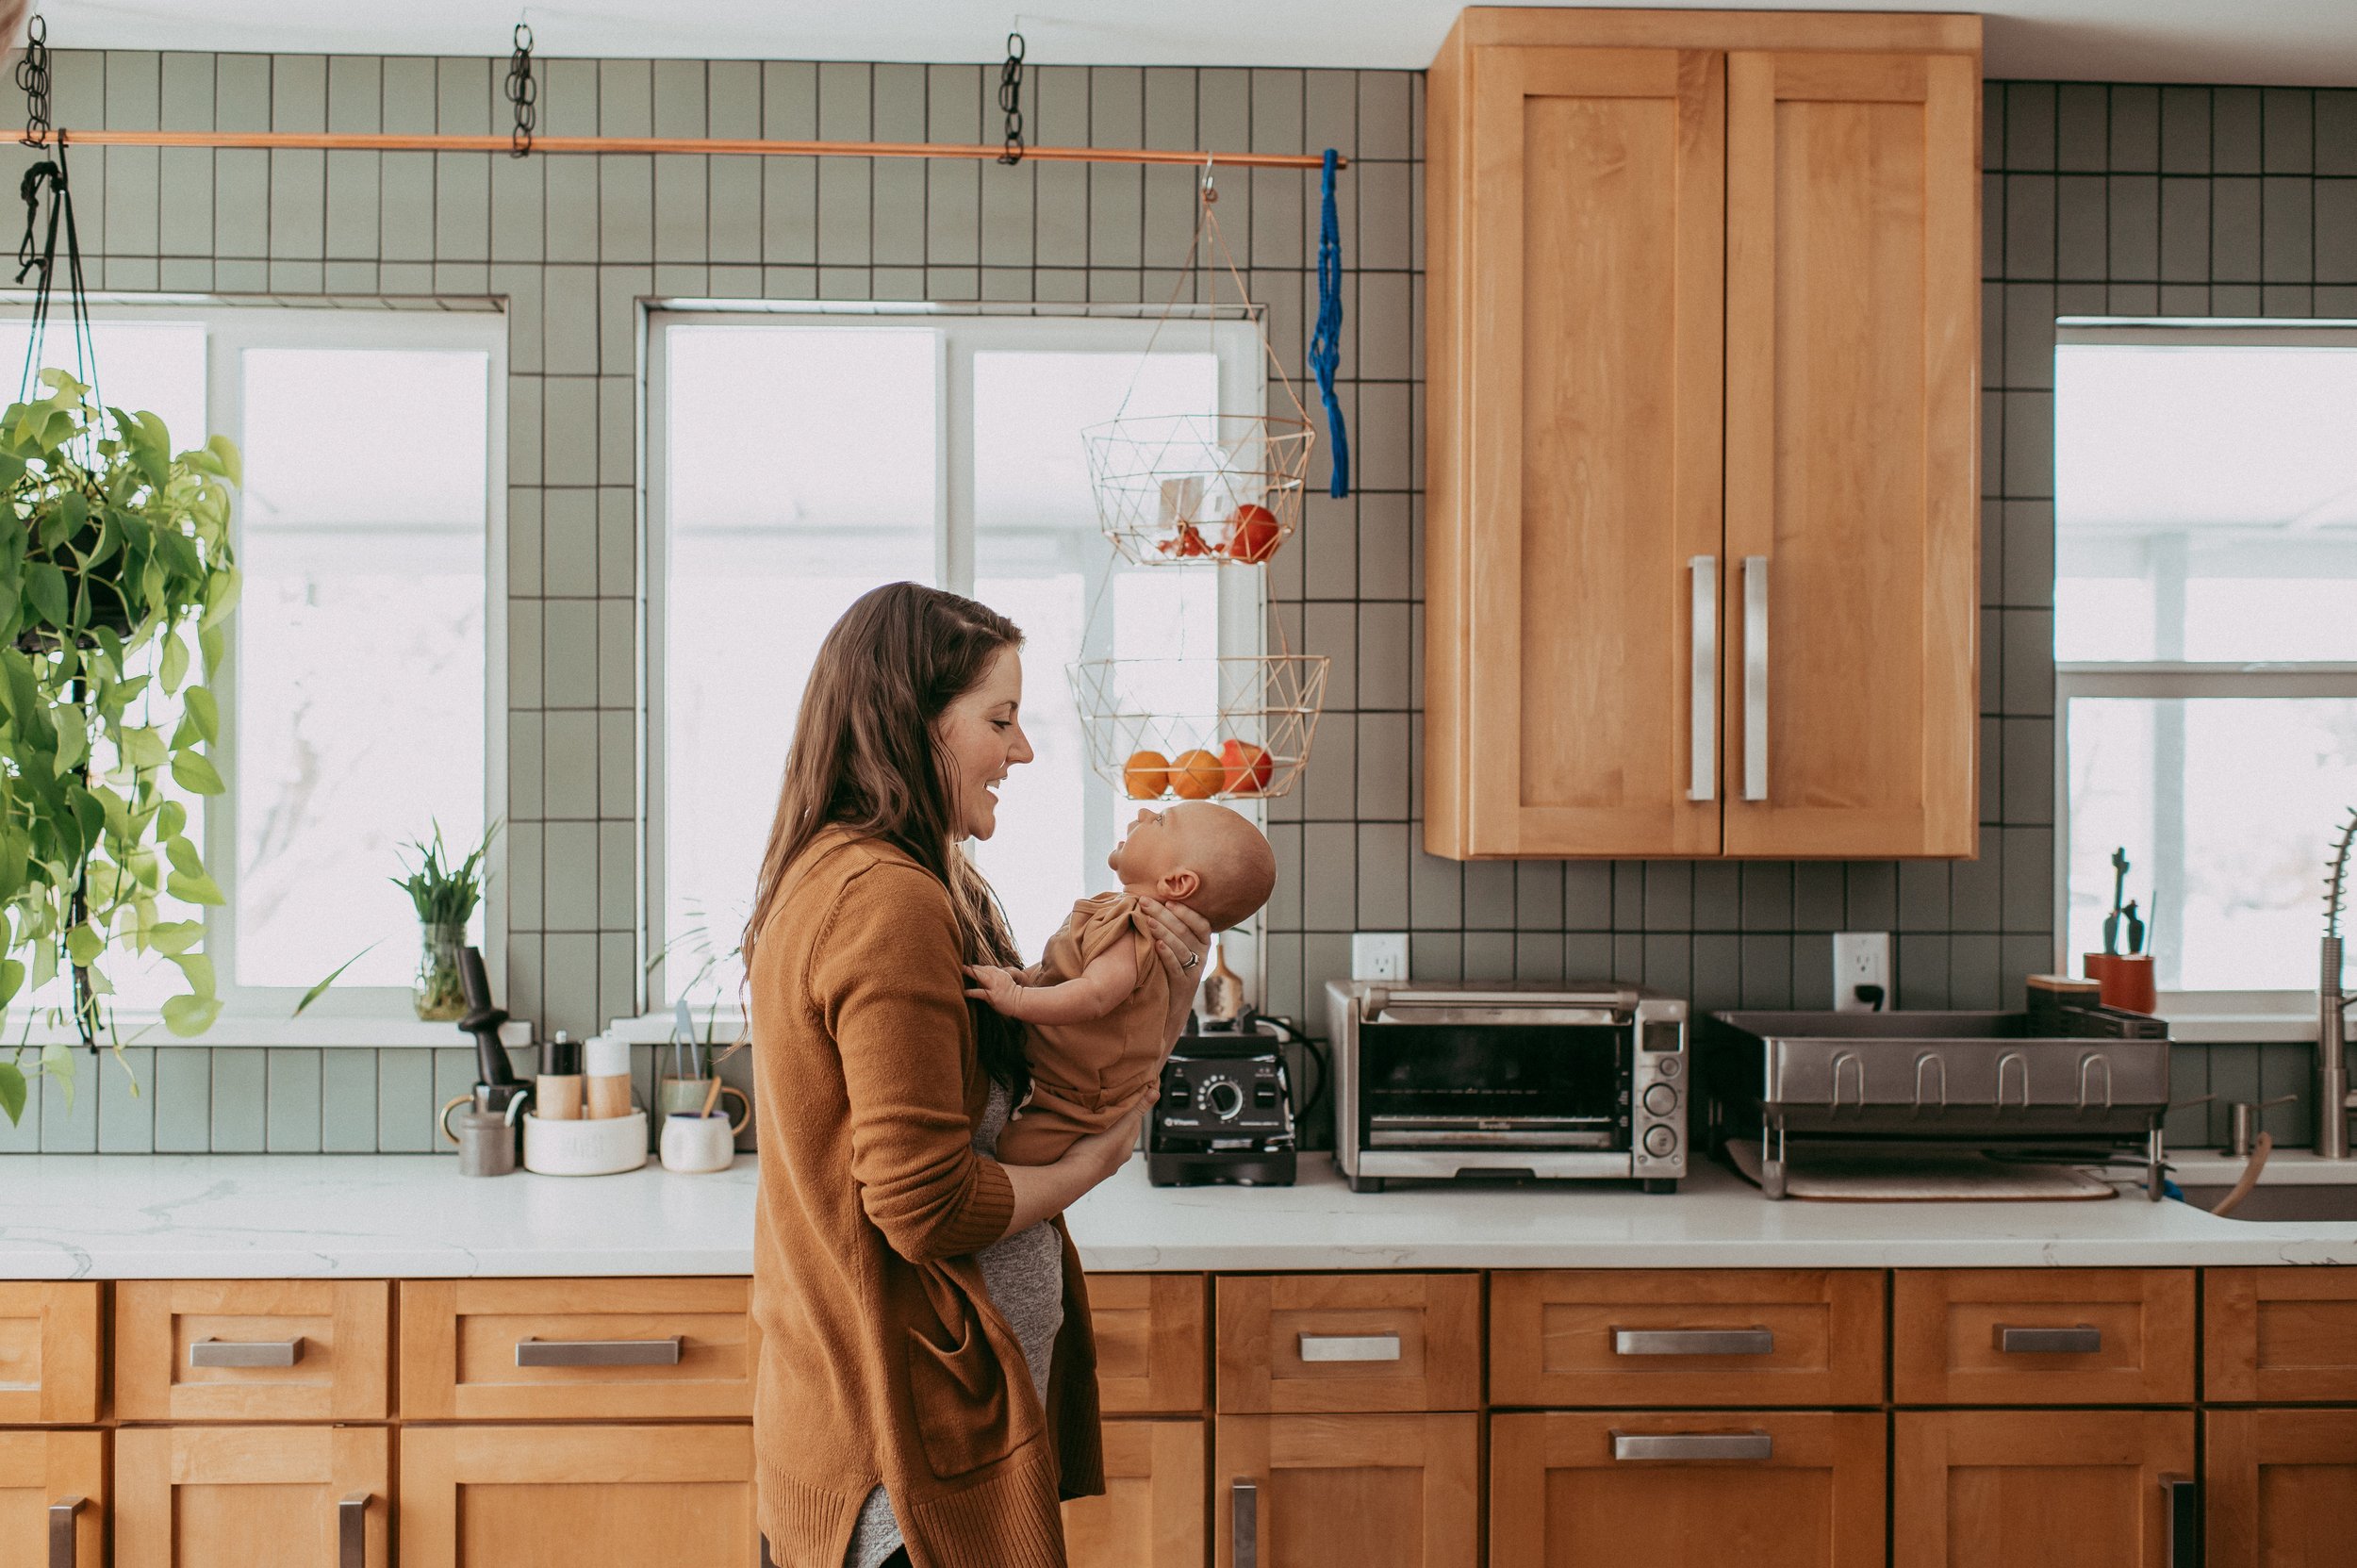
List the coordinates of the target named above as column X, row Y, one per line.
column 981, row 728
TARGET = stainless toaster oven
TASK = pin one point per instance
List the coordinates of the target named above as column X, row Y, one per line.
column 1574, row 1081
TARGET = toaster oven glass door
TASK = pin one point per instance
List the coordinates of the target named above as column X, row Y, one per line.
column 1513, row 1086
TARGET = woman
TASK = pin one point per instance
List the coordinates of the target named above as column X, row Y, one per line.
column 926, row 1378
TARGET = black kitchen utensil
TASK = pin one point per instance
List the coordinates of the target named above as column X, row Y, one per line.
column 2119, row 891
column 482, row 1021
column 2136, row 930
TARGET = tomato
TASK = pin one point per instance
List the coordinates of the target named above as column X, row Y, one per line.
column 1252, row 535
column 1247, row 766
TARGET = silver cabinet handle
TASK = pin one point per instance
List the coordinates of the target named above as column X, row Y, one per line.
column 1693, row 1342
column 598, row 1352
column 1692, row 1445
column 2085, row 1340
column 63, row 1536
column 1703, row 779
column 1350, row 1347
column 1243, row 1525
column 352, row 1531
column 260, row 1352
column 1755, row 677
column 2185, row 1521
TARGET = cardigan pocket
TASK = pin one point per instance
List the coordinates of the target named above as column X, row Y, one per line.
column 966, row 1417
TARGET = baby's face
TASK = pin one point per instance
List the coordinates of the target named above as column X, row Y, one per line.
column 1157, row 844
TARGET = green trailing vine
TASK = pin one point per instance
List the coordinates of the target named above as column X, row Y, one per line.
column 115, row 555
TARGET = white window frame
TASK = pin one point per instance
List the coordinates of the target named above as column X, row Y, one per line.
column 368, row 1017
column 961, row 333
column 2193, row 1015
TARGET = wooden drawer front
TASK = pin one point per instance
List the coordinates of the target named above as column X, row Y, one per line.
column 2030, row 1489
column 1349, row 1341
column 1348, row 1491
column 504, row 1497
column 40, row 1474
column 1149, row 1342
column 459, row 1341
column 2280, row 1334
column 48, row 1352
column 1151, row 1513
column 251, row 1349
column 2281, row 1487
column 1614, row 1337
column 1785, row 1488
column 245, row 1496
column 1949, row 1336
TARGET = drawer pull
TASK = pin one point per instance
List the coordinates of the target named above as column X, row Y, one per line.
column 1693, row 1342
column 260, row 1352
column 2085, row 1340
column 1692, row 1445
column 1243, row 1525
column 63, row 1533
column 598, row 1352
column 352, row 1531
column 1350, row 1347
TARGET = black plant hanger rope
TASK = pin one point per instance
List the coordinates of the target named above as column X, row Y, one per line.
column 1010, row 98
column 32, row 78
column 523, row 93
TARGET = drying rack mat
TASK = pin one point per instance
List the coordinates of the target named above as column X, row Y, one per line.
column 1909, row 1175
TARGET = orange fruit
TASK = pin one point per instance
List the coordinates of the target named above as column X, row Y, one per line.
column 1246, row 766
column 1197, row 775
column 1252, row 535
column 1146, row 775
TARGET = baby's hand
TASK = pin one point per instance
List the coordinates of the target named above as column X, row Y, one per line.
column 998, row 987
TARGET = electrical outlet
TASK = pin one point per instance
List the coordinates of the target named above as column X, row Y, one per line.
column 1378, row 955
column 1861, row 962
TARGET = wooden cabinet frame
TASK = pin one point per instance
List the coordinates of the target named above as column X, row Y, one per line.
column 1266, row 1322
column 153, row 1463
column 56, row 1466
column 48, row 1352
column 1163, row 1459
column 341, row 1330
column 1928, row 1508
column 2313, row 1519
column 1442, row 1451
column 1152, row 1340
column 1946, row 1346
column 2282, row 1335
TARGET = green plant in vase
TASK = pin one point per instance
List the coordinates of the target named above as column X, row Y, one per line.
column 445, row 893
column 114, row 552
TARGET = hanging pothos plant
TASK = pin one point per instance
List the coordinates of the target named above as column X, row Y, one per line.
column 115, row 555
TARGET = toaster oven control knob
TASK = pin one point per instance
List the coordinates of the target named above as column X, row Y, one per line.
column 1661, row 1100
column 1671, row 1066
column 1223, row 1098
column 1662, row 1141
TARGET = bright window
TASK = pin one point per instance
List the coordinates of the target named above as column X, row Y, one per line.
column 2205, row 561
column 797, row 462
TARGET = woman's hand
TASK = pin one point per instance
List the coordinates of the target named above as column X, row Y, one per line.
column 1043, row 1192
column 1181, row 937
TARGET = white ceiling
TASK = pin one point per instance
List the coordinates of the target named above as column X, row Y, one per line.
column 2269, row 42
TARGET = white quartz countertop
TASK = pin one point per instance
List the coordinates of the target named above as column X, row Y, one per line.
column 413, row 1216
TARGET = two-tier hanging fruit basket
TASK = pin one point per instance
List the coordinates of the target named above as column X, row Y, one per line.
column 1202, row 489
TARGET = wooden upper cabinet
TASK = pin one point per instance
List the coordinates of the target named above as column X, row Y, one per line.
column 1852, row 471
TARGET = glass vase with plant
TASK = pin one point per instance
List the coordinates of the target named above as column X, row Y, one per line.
column 445, row 893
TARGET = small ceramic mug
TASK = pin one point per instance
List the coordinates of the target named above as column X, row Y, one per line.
column 694, row 1144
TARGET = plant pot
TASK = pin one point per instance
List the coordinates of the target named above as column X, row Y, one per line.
column 2126, row 981
column 439, row 991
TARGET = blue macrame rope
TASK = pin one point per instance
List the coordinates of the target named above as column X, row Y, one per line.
column 1326, row 343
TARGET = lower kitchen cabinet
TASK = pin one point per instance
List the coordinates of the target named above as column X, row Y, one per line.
column 1345, row 1492
column 53, row 1499
column 2281, row 1488
column 639, row 1496
column 238, row 1496
column 2037, row 1489
column 1766, row 1488
column 1151, row 1513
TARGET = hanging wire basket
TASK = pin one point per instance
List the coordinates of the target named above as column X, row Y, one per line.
column 1200, row 728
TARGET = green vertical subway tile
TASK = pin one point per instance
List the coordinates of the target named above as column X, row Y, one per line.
column 899, row 212
column 290, row 1122
column 183, row 1087
column 348, row 1101
column 571, row 208
column 618, row 983
column 524, row 986
column 2284, row 1070
column 617, row 412
column 465, row 89
column 462, row 206
column 568, row 320
column 518, row 190
column 184, row 222
column 625, row 208
column 569, row 567
column 298, row 204
column 680, row 98
column 569, row 877
column 1010, row 202
column 732, row 203
column 953, row 105
column 126, row 1101
column 524, row 875
column 353, row 204
column 845, row 91
column 625, row 97
column 569, row 764
column 845, row 233
column 570, row 987
column 69, row 1120
column 298, row 93
column 569, row 97
column 569, row 430
column 1329, row 111
column 523, row 765
column 2188, row 1126
column 617, row 872
column 682, row 184
column 455, row 1074
column 132, row 85
column 241, row 202
column 570, row 626
column 524, row 641
column 405, row 206
column 240, row 1090
column 78, row 87
column 617, row 751
column 899, row 103
column 405, row 1100
column 2288, row 229
column 617, row 653
column 731, row 99
column 789, row 100
column 620, row 289
column 185, row 99
column 2185, row 130
column 1169, row 107
column 356, row 94
column 618, row 554
column 410, row 91
column 23, row 1135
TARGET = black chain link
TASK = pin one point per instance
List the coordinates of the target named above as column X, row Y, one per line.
column 523, row 91
column 1010, row 98
column 32, row 75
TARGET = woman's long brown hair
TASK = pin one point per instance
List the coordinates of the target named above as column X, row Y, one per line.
column 866, row 756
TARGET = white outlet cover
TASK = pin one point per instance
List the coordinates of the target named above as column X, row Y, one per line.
column 1378, row 955
column 1861, row 958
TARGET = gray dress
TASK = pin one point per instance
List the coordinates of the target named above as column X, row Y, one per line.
column 1024, row 1274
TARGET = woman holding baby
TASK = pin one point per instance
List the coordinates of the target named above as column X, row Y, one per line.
column 926, row 1385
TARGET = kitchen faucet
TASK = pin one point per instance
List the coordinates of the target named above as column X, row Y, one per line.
column 2333, row 1102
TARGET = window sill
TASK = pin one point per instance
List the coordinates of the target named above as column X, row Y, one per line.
column 142, row 1031
column 2196, row 1027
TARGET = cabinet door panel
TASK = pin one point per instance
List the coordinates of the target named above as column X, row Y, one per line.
column 2035, row 1489
column 1559, row 1498
column 48, row 1352
column 39, row 1472
column 2283, row 1488
column 2279, row 1334
column 235, row 1497
column 1349, row 1341
column 460, row 1340
column 1151, row 1514
column 1578, row 470
column 676, row 1496
column 333, row 1331
column 1949, row 1336
column 1348, row 1491
column 1150, row 1331
column 1853, row 402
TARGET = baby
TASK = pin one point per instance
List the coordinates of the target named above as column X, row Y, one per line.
column 1098, row 1001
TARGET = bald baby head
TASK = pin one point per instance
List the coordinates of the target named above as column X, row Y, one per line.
column 1200, row 854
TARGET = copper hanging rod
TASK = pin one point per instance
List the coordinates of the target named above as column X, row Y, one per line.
column 374, row 142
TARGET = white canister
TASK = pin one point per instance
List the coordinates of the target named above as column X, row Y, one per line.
column 694, row 1144
column 601, row 1147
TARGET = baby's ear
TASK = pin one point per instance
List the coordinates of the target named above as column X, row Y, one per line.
column 1181, row 883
